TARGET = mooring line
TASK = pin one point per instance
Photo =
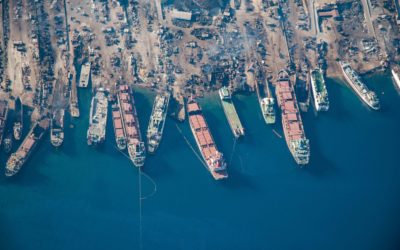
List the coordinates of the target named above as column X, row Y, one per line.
column 191, row 147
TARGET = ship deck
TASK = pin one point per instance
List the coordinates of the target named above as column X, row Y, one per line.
column 232, row 116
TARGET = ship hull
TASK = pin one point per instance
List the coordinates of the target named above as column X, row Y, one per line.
column 154, row 140
column 219, row 172
column 232, row 116
column 319, row 105
column 216, row 176
column 396, row 78
column 356, row 90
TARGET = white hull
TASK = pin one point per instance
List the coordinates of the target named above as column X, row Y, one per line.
column 352, row 85
column 317, row 103
column 396, row 78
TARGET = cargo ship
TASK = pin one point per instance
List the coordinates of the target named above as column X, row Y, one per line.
column 57, row 128
column 85, row 75
column 119, row 131
column 136, row 147
column 18, row 121
column 96, row 133
column 212, row 157
column 18, row 159
column 355, row 82
column 230, row 112
column 319, row 90
column 396, row 75
column 157, row 121
column 292, row 124
column 3, row 118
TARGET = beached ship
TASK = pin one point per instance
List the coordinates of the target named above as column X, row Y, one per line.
column 355, row 82
column 157, row 121
column 18, row 159
column 136, row 147
column 319, row 90
column 96, row 133
column 85, row 75
column 3, row 118
column 18, row 120
column 57, row 128
column 396, row 75
column 230, row 112
column 119, row 132
column 292, row 124
column 213, row 159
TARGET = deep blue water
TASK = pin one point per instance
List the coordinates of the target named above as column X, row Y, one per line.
column 79, row 197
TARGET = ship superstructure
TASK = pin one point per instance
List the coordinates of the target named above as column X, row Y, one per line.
column 96, row 133
column 205, row 142
column 355, row 82
column 157, row 121
column 18, row 159
column 136, row 147
column 3, row 118
column 230, row 112
column 57, row 128
column 319, row 90
column 292, row 124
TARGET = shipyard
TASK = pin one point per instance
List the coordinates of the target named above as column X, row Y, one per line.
column 199, row 124
column 183, row 51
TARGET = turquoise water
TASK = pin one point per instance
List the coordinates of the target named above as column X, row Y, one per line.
column 79, row 197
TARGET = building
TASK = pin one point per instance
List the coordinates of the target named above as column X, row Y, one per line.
column 181, row 15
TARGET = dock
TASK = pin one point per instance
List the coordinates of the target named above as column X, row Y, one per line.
column 230, row 112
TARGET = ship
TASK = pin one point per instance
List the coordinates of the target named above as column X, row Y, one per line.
column 18, row 121
column 230, row 112
column 302, row 87
column 3, row 118
column 157, row 121
column 57, row 128
column 213, row 159
column 292, row 124
column 18, row 159
column 268, row 110
column 396, row 75
column 96, row 133
column 320, row 93
column 136, row 147
column 8, row 143
column 267, row 103
column 85, row 75
column 119, row 132
column 355, row 82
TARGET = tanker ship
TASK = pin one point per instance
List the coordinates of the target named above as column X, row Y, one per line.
column 292, row 125
column 205, row 142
